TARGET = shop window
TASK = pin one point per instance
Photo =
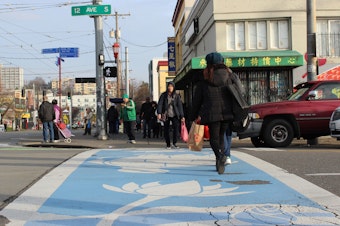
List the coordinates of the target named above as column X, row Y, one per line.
column 266, row 86
column 278, row 85
column 328, row 38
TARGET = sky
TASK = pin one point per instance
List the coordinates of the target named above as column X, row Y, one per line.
column 28, row 26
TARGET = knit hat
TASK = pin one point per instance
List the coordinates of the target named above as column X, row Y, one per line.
column 214, row 58
column 125, row 96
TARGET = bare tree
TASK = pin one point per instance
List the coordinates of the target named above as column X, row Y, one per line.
column 140, row 93
column 39, row 83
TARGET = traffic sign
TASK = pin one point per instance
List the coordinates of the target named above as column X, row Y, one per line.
column 69, row 52
column 63, row 52
column 51, row 50
column 91, row 10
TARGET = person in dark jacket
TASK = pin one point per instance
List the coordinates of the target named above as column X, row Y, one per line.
column 170, row 109
column 212, row 105
column 146, row 113
column 47, row 115
column 112, row 118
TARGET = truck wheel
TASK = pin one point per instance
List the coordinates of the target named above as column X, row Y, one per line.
column 258, row 142
column 278, row 133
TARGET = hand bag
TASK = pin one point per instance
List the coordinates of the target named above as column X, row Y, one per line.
column 195, row 139
column 184, row 132
column 61, row 125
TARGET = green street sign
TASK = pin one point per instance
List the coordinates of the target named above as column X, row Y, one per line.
column 91, row 10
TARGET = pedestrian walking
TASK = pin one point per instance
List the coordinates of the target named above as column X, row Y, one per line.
column 227, row 145
column 146, row 113
column 47, row 115
column 57, row 112
column 170, row 109
column 88, row 121
column 128, row 116
column 113, row 118
column 156, row 125
column 212, row 105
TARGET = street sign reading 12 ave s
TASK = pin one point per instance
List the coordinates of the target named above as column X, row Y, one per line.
column 91, row 10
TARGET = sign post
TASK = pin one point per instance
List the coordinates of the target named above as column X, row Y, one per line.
column 63, row 53
column 97, row 10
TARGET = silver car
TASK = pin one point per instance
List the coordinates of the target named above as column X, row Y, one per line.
column 334, row 124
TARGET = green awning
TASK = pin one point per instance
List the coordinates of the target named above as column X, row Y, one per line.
column 258, row 59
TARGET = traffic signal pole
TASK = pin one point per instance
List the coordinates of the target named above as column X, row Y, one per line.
column 100, row 83
column 312, row 61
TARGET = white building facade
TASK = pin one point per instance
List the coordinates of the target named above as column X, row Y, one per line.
column 11, row 78
column 264, row 42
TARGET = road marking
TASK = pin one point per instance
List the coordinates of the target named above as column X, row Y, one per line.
column 323, row 174
column 262, row 149
column 159, row 187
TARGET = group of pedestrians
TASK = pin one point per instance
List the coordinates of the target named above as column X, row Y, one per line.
column 49, row 114
column 212, row 106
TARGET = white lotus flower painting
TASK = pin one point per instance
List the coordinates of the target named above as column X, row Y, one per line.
column 153, row 187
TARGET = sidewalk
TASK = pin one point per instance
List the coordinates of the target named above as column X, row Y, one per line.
column 120, row 141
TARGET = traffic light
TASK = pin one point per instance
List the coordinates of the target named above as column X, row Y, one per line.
column 22, row 92
column 69, row 95
column 110, row 72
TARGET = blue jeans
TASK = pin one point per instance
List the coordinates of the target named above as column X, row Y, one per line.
column 48, row 130
column 227, row 142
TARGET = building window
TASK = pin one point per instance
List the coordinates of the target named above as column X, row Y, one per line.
column 235, row 36
column 279, row 34
column 328, row 38
column 257, row 35
column 261, row 35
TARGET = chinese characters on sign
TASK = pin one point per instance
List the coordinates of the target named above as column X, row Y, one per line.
column 171, row 55
column 261, row 61
column 252, row 61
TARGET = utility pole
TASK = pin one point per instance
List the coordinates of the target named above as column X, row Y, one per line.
column 119, row 70
column 100, row 84
column 312, row 67
column 127, row 83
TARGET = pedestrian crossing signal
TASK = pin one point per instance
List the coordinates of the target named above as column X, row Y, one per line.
column 110, row 72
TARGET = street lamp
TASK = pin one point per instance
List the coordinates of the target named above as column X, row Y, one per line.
column 115, row 47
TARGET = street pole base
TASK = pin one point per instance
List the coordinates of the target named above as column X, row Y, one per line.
column 313, row 141
column 102, row 135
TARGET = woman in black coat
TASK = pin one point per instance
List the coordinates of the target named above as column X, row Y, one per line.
column 212, row 105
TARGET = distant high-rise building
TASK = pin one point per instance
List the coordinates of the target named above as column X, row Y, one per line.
column 11, row 78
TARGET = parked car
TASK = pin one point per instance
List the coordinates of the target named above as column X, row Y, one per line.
column 305, row 114
column 334, row 124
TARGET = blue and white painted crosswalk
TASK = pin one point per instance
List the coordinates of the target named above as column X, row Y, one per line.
column 158, row 187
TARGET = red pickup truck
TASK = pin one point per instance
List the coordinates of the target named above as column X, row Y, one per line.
column 305, row 114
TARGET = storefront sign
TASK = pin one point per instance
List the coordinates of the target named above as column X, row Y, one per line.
column 247, row 60
column 171, row 55
column 25, row 115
